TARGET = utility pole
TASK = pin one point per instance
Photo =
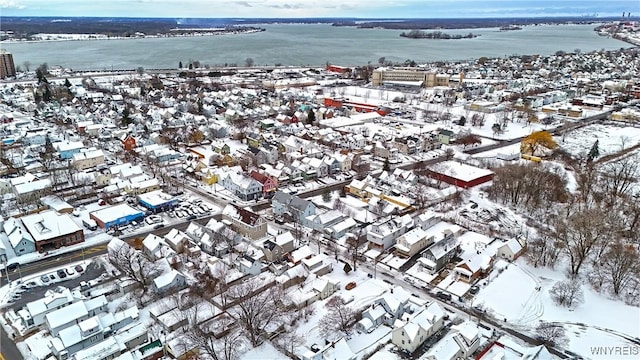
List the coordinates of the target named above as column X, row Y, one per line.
column 19, row 271
column 6, row 270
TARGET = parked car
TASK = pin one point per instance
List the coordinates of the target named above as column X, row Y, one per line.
column 79, row 268
column 350, row 285
column 45, row 279
column 61, row 274
column 474, row 290
column 443, row 295
column 192, row 217
column 158, row 226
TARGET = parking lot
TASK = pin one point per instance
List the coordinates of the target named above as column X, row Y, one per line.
column 36, row 287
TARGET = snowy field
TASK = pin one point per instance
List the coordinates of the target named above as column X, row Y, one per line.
column 611, row 139
column 596, row 322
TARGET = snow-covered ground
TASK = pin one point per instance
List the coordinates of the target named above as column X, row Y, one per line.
column 596, row 322
column 611, row 139
column 265, row 351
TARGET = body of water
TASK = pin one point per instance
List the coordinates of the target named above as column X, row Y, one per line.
column 304, row 44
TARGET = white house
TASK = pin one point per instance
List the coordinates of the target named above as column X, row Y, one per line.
column 414, row 331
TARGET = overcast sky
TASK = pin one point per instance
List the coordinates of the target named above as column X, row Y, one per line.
column 318, row 8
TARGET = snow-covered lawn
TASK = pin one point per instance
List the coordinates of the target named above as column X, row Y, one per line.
column 525, row 306
column 265, row 351
column 610, row 139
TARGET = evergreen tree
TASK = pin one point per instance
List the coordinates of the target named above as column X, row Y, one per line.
column 386, row 166
column 180, row 65
column 46, row 96
column 326, row 196
column 67, row 83
column 311, row 117
column 594, row 152
column 126, row 120
column 40, row 76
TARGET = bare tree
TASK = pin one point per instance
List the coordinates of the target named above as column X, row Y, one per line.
column 619, row 176
column 339, row 318
column 132, row 264
column 567, row 293
column 290, row 340
column 217, row 339
column 551, row 334
column 580, row 234
column 259, row 311
column 619, row 265
column 542, row 250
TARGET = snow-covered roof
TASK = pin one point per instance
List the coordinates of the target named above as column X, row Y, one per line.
column 460, row 171
column 166, row 279
column 49, row 224
column 115, row 212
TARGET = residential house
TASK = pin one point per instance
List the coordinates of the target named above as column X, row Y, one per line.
column 21, row 241
column 66, row 149
column 414, row 331
column 383, row 233
column 269, row 184
column 325, row 287
column 412, row 242
column 317, row 167
column 507, row 349
column 32, row 189
column 323, row 221
column 276, row 248
column 246, row 188
column 154, row 247
column 74, row 313
column 372, row 317
column 438, row 255
column 461, row 342
column 395, row 303
column 128, row 142
column 406, row 145
column 129, row 338
column 176, row 240
column 87, row 159
column 445, row 136
column 338, row 230
column 170, row 281
column 338, row 350
column 512, row 249
column 251, row 263
column 300, row 210
column 86, row 333
column 474, row 268
column 344, row 161
column 244, row 222
column 33, row 313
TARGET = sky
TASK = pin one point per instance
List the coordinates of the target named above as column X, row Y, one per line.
column 318, row 8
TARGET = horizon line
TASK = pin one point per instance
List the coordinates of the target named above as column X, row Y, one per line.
column 327, row 17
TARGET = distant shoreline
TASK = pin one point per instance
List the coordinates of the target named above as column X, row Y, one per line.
column 177, row 34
